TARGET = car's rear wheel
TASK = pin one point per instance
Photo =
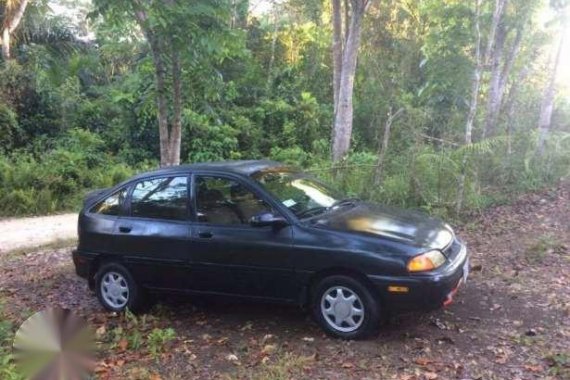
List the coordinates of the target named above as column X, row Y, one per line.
column 345, row 307
column 116, row 289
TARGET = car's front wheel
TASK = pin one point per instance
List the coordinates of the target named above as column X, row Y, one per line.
column 116, row 289
column 345, row 308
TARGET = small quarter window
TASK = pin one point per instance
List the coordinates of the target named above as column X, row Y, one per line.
column 111, row 205
column 161, row 198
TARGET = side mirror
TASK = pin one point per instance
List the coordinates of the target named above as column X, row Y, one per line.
column 267, row 219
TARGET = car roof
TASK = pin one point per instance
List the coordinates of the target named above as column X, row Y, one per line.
column 244, row 167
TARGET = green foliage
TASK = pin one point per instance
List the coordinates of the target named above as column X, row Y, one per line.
column 158, row 338
column 559, row 364
column 10, row 133
column 7, row 367
column 59, row 180
column 76, row 116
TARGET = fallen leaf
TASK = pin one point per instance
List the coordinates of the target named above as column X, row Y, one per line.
column 101, row 331
column 268, row 349
column 347, row 365
column 123, row 344
column 533, row 368
column 223, row 340
column 422, row 361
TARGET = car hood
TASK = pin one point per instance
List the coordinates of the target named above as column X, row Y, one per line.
column 405, row 226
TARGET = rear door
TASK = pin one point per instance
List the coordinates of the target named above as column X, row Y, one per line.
column 230, row 256
column 97, row 224
column 154, row 236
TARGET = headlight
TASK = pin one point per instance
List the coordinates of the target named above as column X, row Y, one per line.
column 443, row 239
column 426, row 261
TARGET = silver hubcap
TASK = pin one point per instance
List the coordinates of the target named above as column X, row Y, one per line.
column 342, row 308
column 115, row 290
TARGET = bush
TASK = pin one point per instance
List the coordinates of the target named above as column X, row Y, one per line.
column 10, row 132
column 58, row 179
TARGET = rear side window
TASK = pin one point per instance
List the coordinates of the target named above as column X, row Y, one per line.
column 161, row 198
column 111, row 205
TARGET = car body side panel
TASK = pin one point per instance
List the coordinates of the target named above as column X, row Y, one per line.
column 156, row 251
column 96, row 232
column 242, row 260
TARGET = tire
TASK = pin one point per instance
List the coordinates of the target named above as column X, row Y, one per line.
column 117, row 290
column 353, row 311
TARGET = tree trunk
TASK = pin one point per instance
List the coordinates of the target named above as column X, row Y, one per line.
column 499, row 78
column 344, row 110
column 475, row 87
column 272, row 57
column 547, row 106
column 161, row 99
column 336, row 49
column 11, row 22
column 6, row 44
column 493, row 100
column 384, row 146
column 508, row 66
column 490, row 54
column 497, row 16
column 169, row 135
column 175, row 135
column 510, row 107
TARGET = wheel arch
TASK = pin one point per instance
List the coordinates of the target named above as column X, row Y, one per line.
column 314, row 279
column 98, row 262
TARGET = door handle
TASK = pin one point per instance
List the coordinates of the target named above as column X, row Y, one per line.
column 205, row 235
column 125, row 229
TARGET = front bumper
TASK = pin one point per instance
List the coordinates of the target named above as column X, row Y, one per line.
column 427, row 291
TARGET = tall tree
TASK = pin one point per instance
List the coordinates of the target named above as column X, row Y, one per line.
column 492, row 58
column 547, row 106
column 346, row 57
column 475, row 88
column 12, row 12
column 502, row 58
column 174, row 31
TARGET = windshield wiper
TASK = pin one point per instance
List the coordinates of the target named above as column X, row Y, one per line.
column 322, row 209
column 312, row 212
column 344, row 202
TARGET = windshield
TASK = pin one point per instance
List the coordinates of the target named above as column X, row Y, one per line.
column 303, row 195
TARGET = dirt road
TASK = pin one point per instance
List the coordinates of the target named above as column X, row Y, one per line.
column 36, row 231
column 511, row 320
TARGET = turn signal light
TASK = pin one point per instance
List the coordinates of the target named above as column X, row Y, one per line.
column 426, row 261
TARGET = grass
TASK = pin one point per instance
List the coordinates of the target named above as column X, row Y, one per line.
column 7, row 367
column 277, row 366
column 543, row 246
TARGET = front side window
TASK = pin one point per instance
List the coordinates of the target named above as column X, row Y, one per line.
column 225, row 201
column 161, row 198
column 111, row 205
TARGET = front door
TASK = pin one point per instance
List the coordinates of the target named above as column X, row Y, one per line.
column 230, row 256
column 154, row 235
